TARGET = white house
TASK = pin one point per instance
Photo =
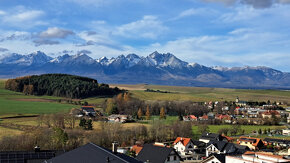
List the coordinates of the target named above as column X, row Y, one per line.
column 258, row 157
column 183, row 146
column 215, row 159
column 286, row 132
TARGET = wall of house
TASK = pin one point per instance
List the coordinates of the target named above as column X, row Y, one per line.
column 249, row 144
column 181, row 149
column 211, row 149
column 204, row 140
column 173, row 158
column 231, row 159
column 214, row 160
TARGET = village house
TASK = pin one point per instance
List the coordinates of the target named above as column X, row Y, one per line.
column 277, row 142
column 88, row 111
column 203, row 118
column 270, row 114
column 158, row 154
column 189, row 118
column 226, row 118
column 136, row 148
column 215, row 158
column 286, row 132
column 92, row 153
column 183, row 146
column 119, row 118
column 221, row 147
column 240, row 103
column 253, row 113
column 206, row 137
column 35, row 156
column 255, row 157
column 252, row 143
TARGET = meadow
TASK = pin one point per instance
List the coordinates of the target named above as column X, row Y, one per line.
column 199, row 94
column 15, row 103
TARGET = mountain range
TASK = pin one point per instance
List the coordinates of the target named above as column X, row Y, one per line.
column 156, row 68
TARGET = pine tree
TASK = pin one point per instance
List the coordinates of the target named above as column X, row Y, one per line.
column 140, row 113
column 162, row 113
column 89, row 125
column 82, row 122
column 260, row 131
column 147, row 113
column 180, row 117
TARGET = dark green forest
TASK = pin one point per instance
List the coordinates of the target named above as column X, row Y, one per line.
column 62, row 85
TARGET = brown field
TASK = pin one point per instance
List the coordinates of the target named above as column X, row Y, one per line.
column 130, row 87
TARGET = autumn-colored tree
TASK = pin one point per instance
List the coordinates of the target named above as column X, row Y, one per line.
column 140, row 113
column 28, row 89
column 126, row 97
column 162, row 113
column 120, row 97
column 147, row 113
column 110, row 106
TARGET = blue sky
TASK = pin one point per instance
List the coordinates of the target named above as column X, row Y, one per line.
column 210, row 32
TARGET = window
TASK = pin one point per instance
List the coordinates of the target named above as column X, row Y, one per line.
column 168, row 158
column 174, row 158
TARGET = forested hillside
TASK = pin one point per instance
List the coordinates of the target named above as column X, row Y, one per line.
column 63, row 85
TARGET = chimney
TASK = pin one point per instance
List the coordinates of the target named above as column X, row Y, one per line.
column 114, row 147
column 36, row 149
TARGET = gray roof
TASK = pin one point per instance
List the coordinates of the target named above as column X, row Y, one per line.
column 281, row 141
column 211, row 136
column 229, row 148
column 91, row 153
column 155, row 154
column 26, row 156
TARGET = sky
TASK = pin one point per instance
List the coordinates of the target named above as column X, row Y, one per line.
column 226, row 33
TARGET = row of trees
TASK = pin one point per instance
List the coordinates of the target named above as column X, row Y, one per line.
column 62, row 85
column 58, row 138
column 123, row 103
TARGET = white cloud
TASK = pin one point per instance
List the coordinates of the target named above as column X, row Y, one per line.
column 56, row 32
column 257, row 4
column 2, row 12
column 239, row 48
column 23, row 16
column 148, row 27
column 226, row 2
column 195, row 11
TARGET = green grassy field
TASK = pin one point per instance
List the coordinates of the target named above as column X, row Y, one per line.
column 248, row 128
column 199, row 94
column 15, row 103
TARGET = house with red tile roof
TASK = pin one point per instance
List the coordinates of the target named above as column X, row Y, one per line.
column 252, row 143
column 221, row 116
column 203, row 118
column 183, row 146
column 136, row 148
column 270, row 113
column 190, row 118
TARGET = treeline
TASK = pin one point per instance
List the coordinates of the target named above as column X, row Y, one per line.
column 123, row 103
column 57, row 132
column 62, row 85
